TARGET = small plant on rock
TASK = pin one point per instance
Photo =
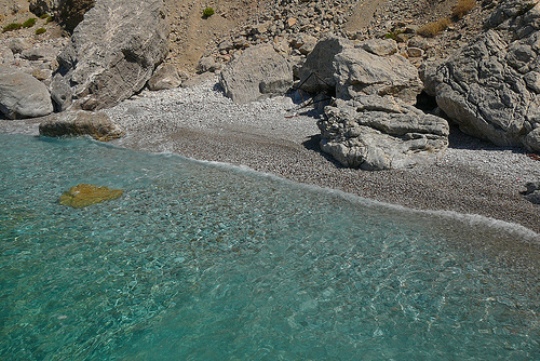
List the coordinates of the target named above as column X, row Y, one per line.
column 40, row 31
column 29, row 23
column 207, row 12
column 11, row 27
column 394, row 34
column 47, row 17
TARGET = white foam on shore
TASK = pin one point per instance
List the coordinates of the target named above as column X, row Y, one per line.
column 513, row 230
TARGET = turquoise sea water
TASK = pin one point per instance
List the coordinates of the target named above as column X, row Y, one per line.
column 207, row 262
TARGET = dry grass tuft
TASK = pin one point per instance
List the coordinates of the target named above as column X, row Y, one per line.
column 431, row 29
column 462, row 8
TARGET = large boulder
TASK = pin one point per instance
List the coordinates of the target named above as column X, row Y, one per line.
column 98, row 125
column 22, row 95
column 342, row 68
column 111, row 55
column 166, row 77
column 258, row 72
column 491, row 88
column 371, row 132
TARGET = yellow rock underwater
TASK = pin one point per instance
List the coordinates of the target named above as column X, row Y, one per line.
column 83, row 195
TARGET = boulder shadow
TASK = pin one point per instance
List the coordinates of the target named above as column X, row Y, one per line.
column 313, row 144
column 459, row 140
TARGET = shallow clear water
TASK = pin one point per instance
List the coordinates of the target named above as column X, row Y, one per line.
column 207, row 262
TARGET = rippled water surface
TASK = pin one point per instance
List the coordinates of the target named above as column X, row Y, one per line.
column 207, row 262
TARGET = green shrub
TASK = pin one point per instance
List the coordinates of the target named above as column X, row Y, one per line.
column 29, row 23
column 47, row 17
column 207, row 12
column 40, row 31
column 393, row 34
column 11, row 27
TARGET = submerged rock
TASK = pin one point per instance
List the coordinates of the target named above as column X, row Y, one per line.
column 84, row 195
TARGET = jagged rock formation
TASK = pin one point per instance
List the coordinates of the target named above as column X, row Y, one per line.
column 373, row 125
column 22, row 95
column 259, row 71
column 378, row 133
column 491, row 88
column 98, row 125
column 111, row 55
column 31, row 57
column 341, row 67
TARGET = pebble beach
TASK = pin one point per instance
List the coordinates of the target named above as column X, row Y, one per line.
column 279, row 137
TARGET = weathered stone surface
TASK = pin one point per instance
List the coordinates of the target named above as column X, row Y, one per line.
column 364, row 73
column 22, row 95
column 40, row 7
column 491, row 88
column 378, row 133
column 304, row 43
column 112, row 54
column 337, row 66
column 532, row 194
column 165, row 77
column 317, row 75
column 98, row 125
column 259, row 71
column 380, row 47
column 84, row 195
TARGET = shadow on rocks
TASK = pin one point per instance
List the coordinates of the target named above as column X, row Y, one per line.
column 459, row 140
column 313, row 144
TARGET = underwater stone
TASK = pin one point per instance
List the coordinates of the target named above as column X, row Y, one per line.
column 84, row 195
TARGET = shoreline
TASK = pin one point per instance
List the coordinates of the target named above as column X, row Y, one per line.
column 473, row 177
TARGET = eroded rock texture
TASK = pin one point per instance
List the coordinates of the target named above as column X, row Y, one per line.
column 491, row 88
column 111, row 55
column 379, row 133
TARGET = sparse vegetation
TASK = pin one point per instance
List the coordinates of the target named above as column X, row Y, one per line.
column 29, row 23
column 462, row 8
column 207, row 12
column 11, row 27
column 47, row 17
column 40, row 31
column 393, row 35
column 431, row 29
